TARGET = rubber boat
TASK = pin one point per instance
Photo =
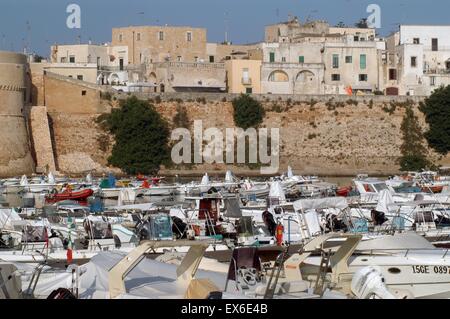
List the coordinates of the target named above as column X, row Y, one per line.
column 70, row 195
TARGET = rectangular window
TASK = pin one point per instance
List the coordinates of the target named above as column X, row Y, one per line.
column 189, row 36
column 335, row 77
column 72, row 59
column 335, row 61
column 83, row 93
column 434, row 44
column 363, row 77
column 245, row 73
column 179, row 58
column 272, row 57
column 301, row 59
column 161, row 36
column 416, row 40
column 80, row 77
column 249, row 90
column 120, row 37
column 433, row 81
column 283, row 59
column 211, row 58
column 356, row 38
column 392, row 74
column 363, row 61
column 413, row 61
column 138, row 37
column 349, row 59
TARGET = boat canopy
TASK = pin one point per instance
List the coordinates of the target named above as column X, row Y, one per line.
column 321, row 203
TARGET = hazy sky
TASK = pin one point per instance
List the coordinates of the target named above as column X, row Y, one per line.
column 41, row 23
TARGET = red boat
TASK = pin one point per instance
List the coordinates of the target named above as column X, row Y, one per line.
column 433, row 189
column 81, row 195
column 343, row 191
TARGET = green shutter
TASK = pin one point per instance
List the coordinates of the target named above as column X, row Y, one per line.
column 272, row 56
column 301, row 59
column 335, row 61
column 363, row 61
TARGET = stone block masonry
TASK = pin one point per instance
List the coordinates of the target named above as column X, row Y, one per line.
column 326, row 135
column 42, row 140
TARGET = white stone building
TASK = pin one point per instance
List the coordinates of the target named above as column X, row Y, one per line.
column 417, row 59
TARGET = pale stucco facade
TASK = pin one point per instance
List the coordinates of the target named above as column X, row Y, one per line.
column 244, row 76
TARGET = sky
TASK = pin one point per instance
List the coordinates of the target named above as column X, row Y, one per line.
column 38, row 24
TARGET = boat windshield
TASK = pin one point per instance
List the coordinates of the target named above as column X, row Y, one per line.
column 379, row 187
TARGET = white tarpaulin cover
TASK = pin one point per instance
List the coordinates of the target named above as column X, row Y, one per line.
column 126, row 196
column 7, row 217
column 384, row 201
column 149, row 279
column 320, row 203
column 276, row 191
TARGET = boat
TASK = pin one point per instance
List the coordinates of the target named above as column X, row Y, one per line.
column 80, row 195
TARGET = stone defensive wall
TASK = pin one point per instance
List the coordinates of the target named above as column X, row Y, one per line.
column 15, row 151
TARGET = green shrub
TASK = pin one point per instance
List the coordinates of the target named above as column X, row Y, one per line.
column 141, row 136
column 414, row 152
column 247, row 112
column 437, row 114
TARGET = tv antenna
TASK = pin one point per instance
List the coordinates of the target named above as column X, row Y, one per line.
column 225, row 16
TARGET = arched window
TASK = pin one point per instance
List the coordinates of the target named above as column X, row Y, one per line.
column 305, row 76
column 278, row 76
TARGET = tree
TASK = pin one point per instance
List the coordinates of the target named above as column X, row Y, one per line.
column 437, row 114
column 362, row 23
column 341, row 24
column 247, row 112
column 141, row 135
column 414, row 152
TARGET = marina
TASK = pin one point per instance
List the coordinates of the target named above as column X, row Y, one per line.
column 287, row 236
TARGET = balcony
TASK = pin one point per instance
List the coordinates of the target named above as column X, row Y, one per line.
column 246, row 81
column 437, row 71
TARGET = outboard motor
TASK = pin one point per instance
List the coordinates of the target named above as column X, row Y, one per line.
column 368, row 282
